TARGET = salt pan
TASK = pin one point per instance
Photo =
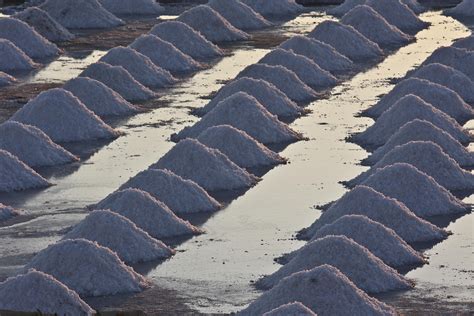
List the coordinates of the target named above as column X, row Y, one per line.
column 13, row 58
column 295, row 308
column 275, row 9
column 7, row 212
column 239, row 14
column 457, row 58
column 132, row 7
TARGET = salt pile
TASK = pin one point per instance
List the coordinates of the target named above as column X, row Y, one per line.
column 463, row 10
column 147, row 213
column 465, row 43
column 32, row 146
column 457, row 58
column 144, row 7
column 164, row 54
column 418, row 191
column 241, row 149
column 403, row 111
column 37, row 292
column 325, row 290
column 373, row 26
column 285, row 80
column 64, row 118
column 13, row 58
column 99, row 98
column 7, row 212
column 120, row 80
column 44, row 24
column 81, row 14
column 306, row 69
column 87, row 268
column 6, row 79
column 364, row 200
column 442, row 98
column 211, row 25
column 187, row 40
column 345, row 7
column 208, row 167
column 275, row 9
column 27, row 39
column 324, row 55
column 239, row 14
column 16, row 176
column 295, row 308
column 414, row 5
column 139, row 66
column 245, row 113
column 346, row 40
column 120, row 235
column 429, row 158
column 420, row 130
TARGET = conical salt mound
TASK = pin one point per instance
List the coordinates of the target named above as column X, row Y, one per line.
column 81, row 14
column 346, row 40
column 147, row 213
column 463, row 10
column 414, row 5
column 99, row 98
column 275, row 9
column 368, row 272
column 32, row 146
column 211, row 25
column 373, row 26
column 36, row 291
column 295, row 308
column 406, row 110
column 465, row 43
column 363, row 200
column 16, row 176
column 241, row 149
column 13, row 58
column 27, row 39
column 87, row 268
column 448, row 77
column 460, row 59
column 418, row 191
column 245, row 113
column 64, row 118
column 282, row 78
column 429, row 158
column 44, row 24
column 187, row 40
column 311, row 288
column 180, row 195
column 324, row 55
column 419, row 130
column 120, row 80
column 132, row 7
column 208, row 167
column 442, row 98
column 165, row 55
column 120, row 235
column 6, row 79
column 7, row 212
column 239, row 14
column 345, row 7
column 139, row 66
column 306, row 69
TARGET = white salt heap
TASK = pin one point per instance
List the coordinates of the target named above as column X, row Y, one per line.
column 324, row 55
column 6, row 79
column 27, row 39
column 187, row 40
column 239, row 14
column 208, row 167
column 38, row 292
column 364, row 200
column 32, row 146
column 282, row 78
column 120, row 80
column 306, row 69
column 345, row 7
column 63, row 117
column 325, row 290
column 16, row 176
column 13, row 58
column 7, row 212
column 211, row 25
column 87, row 268
column 81, row 14
column 419, row 130
column 465, row 9
column 245, row 113
column 147, row 213
column 403, row 111
column 373, row 26
column 295, row 308
column 418, row 191
column 165, row 55
column 241, row 149
column 465, row 43
column 130, row 7
column 275, row 101
column 44, row 24
column 275, row 9
column 414, row 5
column 460, row 59
column 119, row 234
column 99, row 98
column 346, row 40
column 139, row 66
